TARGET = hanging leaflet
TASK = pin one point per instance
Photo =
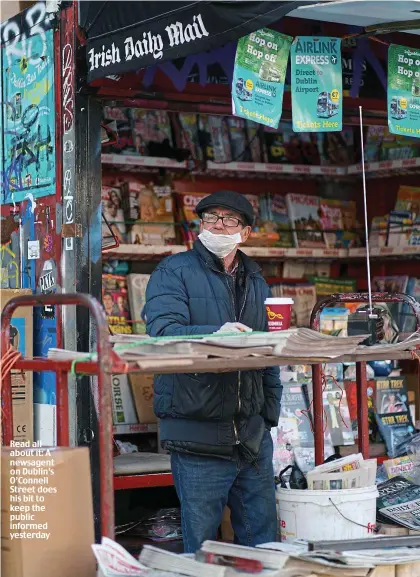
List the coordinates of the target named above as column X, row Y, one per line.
column 259, row 75
column 317, row 85
column 404, row 90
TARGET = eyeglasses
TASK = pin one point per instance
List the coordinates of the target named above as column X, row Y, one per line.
column 227, row 221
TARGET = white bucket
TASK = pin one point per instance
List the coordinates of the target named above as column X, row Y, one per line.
column 326, row 515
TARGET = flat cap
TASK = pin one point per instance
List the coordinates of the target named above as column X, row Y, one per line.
column 228, row 199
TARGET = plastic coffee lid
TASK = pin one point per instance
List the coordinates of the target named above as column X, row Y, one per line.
column 279, row 301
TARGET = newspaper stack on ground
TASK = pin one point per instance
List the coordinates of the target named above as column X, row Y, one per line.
column 352, row 472
column 381, row 556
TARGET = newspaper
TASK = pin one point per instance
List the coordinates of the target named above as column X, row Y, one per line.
column 352, row 472
column 403, row 507
column 334, row 481
column 386, row 490
column 350, row 463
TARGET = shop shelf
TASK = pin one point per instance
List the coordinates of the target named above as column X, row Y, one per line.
column 134, row 429
column 135, row 252
column 122, row 482
column 381, row 169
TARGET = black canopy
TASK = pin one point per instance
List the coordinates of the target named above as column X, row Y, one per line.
column 127, row 36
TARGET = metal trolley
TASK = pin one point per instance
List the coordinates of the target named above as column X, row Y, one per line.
column 108, row 363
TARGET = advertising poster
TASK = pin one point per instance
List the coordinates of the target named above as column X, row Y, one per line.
column 404, row 90
column 259, row 76
column 317, row 92
column 28, row 155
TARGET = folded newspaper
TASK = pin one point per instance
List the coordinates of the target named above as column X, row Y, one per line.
column 352, row 472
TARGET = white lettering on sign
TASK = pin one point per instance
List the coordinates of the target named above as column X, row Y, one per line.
column 153, row 44
column 17, row 34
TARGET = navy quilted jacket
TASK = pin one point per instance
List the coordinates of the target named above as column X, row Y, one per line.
column 190, row 294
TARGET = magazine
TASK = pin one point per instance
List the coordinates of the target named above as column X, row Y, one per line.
column 337, row 414
column 351, row 393
column 332, row 220
column 189, row 135
column 279, row 216
column 137, row 284
column 388, row 489
column 112, row 210
column 408, row 317
column 399, row 467
column 393, row 414
column 403, row 507
column 187, row 204
column 115, row 302
column 150, row 127
column 155, row 225
column 304, row 215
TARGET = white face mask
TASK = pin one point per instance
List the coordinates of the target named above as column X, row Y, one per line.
column 220, row 244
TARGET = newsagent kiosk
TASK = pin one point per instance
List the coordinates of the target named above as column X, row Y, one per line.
column 70, row 68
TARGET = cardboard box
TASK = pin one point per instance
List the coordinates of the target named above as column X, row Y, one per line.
column 142, row 387
column 67, row 519
column 21, row 337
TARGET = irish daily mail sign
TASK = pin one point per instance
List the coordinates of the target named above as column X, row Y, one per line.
column 128, row 36
column 139, row 50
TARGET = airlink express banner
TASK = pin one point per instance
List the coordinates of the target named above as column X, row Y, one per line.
column 317, row 90
column 259, row 75
column 404, row 90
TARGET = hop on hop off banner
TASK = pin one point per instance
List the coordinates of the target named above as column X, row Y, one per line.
column 404, row 90
column 259, row 75
column 317, row 85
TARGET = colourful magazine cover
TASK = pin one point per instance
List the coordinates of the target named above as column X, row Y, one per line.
column 332, row 220
column 115, row 302
column 304, row 215
column 112, row 209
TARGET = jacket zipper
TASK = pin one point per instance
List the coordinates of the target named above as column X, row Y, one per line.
column 239, row 372
column 235, row 430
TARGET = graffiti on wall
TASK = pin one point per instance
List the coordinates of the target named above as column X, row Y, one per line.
column 27, row 111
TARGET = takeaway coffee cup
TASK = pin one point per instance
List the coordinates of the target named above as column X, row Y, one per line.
column 279, row 312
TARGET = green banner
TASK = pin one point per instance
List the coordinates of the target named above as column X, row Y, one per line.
column 317, row 85
column 259, row 75
column 404, row 90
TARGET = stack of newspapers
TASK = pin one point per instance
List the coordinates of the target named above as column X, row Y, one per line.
column 217, row 559
column 352, row 472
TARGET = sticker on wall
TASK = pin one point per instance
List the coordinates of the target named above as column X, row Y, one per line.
column 259, row 76
column 404, row 90
column 317, row 84
column 34, row 250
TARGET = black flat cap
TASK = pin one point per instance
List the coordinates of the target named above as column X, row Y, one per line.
column 228, row 199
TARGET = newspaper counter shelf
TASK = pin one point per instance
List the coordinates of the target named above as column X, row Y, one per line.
column 108, row 363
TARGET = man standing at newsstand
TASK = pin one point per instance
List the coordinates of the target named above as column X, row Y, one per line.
column 217, row 426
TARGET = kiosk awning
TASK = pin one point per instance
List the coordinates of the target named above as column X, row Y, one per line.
column 127, row 36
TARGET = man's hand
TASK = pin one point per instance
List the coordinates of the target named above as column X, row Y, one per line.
column 234, row 328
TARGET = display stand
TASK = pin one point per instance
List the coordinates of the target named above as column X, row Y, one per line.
column 108, row 363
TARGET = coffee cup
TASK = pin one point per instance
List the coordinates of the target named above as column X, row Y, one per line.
column 279, row 313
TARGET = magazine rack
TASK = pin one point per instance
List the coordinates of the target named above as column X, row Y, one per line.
column 361, row 379
column 108, row 363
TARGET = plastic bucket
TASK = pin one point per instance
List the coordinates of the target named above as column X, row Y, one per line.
column 326, row 515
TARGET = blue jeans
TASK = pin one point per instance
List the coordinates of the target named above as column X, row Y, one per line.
column 205, row 485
